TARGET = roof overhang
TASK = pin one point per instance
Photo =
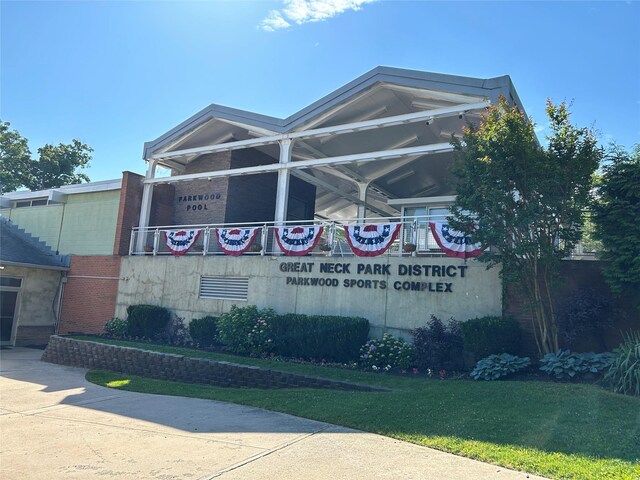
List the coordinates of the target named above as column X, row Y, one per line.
column 384, row 130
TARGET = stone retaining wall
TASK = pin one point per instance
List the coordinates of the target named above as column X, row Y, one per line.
column 164, row 366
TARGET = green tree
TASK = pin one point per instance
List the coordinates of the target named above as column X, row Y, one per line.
column 15, row 159
column 526, row 200
column 56, row 165
column 616, row 213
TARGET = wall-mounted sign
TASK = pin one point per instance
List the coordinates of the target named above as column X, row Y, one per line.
column 425, row 277
column 197, row 202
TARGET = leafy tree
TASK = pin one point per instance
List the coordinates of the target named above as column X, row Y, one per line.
column 15, row 159
column 527, row 201
column 56, row 165
column 616, row 211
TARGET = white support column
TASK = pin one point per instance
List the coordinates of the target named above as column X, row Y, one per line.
column 362, row 194
column 282, row 193
column 145, row 207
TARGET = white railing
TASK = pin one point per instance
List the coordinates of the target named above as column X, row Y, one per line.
column 414, row 232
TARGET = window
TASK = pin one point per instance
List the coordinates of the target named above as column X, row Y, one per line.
column 422, row 236
column 31, row 203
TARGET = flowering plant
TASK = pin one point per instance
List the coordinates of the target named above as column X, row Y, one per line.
column 247, row 330
column 382, row 355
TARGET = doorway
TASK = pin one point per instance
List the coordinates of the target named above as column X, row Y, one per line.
column 9, row 294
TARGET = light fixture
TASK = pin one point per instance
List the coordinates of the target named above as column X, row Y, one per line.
column 402, row 176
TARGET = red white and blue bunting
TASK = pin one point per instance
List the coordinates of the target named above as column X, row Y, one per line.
column 235, row 241
column 298, row 240
column 454, row 243
column 371, row 239
column 180, row 241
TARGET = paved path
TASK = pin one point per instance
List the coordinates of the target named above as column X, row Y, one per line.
column 56, row 425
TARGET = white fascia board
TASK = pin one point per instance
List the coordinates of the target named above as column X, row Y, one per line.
column 274, row 167
column 335, row 130
column 66, row 190
column 422, row 200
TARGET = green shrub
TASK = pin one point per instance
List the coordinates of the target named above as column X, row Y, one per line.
column 247, row 330
column 565, row 364
column 116, row 328
column 329, row 338
column 624, row 373
column 491, row 335
column 146, row 321
column 494, row 367
column 204, row 331
column 386, row 354
column 438, row 346
column 175, row 333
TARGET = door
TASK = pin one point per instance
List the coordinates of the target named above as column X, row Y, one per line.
column 9, row 291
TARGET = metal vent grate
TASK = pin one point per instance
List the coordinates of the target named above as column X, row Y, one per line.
column 224, row 288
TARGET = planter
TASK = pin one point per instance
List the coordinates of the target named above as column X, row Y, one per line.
column 409, row 248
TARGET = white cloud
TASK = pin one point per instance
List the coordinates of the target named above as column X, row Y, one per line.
column 305, row 11
column 273, row 22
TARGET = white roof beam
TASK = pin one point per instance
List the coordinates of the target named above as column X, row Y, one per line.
column 319, row 162
column 361, row 118
column 337, row 108
column 327, row 186
column 321, row 132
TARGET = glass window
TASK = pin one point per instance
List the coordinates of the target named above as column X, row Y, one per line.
column 10, row 282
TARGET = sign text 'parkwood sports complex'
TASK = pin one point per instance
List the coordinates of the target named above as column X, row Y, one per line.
column 425, row 277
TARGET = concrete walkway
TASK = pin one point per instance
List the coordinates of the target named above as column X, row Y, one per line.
column 56, row 425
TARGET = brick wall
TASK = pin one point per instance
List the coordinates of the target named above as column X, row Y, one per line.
column 202, row 201
column 128, row 211
column 135, row 361
column 253, row 197
column 576, row 275
column 90, row 294
column 162, row 205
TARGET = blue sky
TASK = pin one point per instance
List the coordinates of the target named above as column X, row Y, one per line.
column 117, row 74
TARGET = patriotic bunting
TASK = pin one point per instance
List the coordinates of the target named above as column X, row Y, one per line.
column 454, row 243
column 235, row 241
column 298, row 240
column 372, row 239
column 180, row 241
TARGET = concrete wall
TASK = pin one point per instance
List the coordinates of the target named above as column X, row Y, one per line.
column 34, row 316
column 379, row 289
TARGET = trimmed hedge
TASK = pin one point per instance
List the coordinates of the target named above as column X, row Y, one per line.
column 491, row 335
column 204, row 331
column 146, row 321
column 329, row 338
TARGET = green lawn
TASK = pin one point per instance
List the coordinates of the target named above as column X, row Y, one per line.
column 555, row 430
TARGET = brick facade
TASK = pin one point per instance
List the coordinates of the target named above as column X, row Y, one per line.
column 90, row 294
column 246, row 198
column 128, row 211
column 202, row 201
column 576, row 275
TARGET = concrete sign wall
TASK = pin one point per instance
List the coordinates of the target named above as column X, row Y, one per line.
column 395, row 294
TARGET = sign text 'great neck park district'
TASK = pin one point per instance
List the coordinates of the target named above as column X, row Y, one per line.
column 424, row 278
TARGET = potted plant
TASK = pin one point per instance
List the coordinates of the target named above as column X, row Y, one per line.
column 325, row 247
column 409, row 247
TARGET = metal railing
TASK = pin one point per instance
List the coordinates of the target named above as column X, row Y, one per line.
column 415, row 237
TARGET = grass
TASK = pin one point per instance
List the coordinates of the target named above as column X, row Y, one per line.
column 557, row 430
